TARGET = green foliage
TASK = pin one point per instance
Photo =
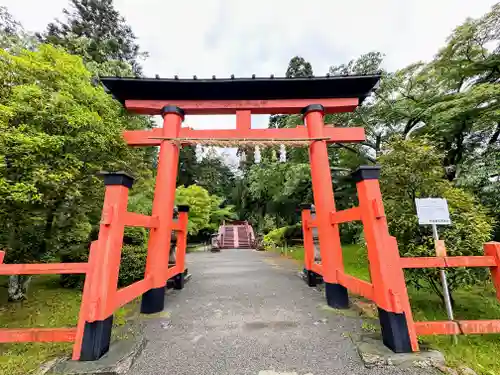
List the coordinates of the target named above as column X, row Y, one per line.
column 12, row 34
column 274, row 238
column 299, row 67
column 199, row 203
column 282, row 236
column 480, row 175
column 278, row 189
column 95, row 30
column 219, row 213
column 210, row 172
column 57, row 130
column 204, row 209
column 412, row 170
column 133, row 264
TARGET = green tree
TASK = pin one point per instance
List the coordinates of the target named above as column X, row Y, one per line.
column 366, row 115
column 279, row 188
column 451, row 99
column 412, row 169
column 187, row 166
column 211, row 172
column 12, row 33
column 465, row 114
column 480, row 175
column 57, row 130
column 298, row 67
column 204, row 209
column 95, row 30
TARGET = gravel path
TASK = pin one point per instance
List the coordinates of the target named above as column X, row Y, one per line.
column 246, row 312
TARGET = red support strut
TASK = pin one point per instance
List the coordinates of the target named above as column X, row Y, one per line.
column 389, row 287
column 96, row 314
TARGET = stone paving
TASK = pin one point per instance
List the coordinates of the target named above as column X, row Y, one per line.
column 247, row 312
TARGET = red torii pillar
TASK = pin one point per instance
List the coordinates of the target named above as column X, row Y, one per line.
column 163, row 206
column 329, row 238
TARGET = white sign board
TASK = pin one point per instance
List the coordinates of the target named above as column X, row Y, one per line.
column 432, row 211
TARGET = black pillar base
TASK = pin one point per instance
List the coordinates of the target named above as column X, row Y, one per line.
column 179, row 281
column 153, row 300
column 395, row 331
column 96, row 339
column 312, row 278
column 336, row 296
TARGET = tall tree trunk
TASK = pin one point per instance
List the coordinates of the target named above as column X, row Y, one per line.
column 495, row 135
column 47, row 232
column 378, row 142
column 18, row 287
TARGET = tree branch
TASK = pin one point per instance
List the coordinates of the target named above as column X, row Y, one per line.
column 352, row 149
column 371, row 144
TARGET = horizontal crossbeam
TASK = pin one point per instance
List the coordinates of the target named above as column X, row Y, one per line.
column 356, row 286
column 224, row 107
column 331, row 134
column 457, row 327
column 443, row 262
column 43, row 268
column 133, row 219
column 344, row 216
column 37, row 335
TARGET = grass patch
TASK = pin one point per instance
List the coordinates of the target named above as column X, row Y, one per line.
column 48, row 305
column 292, row 252
column 480, row 352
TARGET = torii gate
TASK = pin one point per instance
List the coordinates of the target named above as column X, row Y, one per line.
column 312, row 97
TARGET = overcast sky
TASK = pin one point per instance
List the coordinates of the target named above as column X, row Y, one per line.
column 224, row 37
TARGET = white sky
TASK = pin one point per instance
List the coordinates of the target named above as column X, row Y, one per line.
column 224, row 37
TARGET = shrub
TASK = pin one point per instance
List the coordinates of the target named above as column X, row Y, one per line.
column 132, row 265
column 413, row 170
column 135, row 236
column 282, row 236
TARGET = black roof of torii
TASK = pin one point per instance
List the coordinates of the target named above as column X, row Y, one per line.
column 255, row 88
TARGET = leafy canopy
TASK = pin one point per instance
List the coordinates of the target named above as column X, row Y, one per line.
column 95, row 30
column 57, row 130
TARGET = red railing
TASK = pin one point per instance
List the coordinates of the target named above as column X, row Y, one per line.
column 387, row 287
column 100, row 298
column 459, row 327
column 39, row 334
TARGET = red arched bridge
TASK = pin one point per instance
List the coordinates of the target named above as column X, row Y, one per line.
column 235, row 235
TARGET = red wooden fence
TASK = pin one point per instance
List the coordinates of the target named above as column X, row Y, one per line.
column 387, row 287
column 100, row 298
